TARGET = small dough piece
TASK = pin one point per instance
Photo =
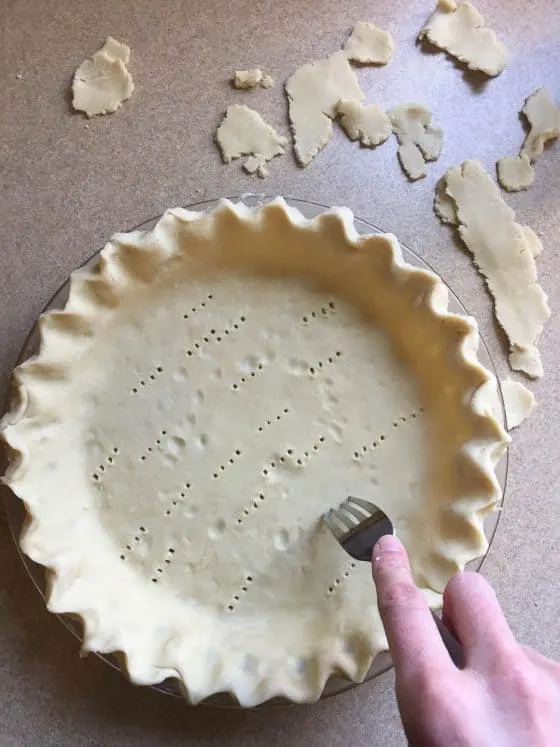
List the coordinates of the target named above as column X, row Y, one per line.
column 369, row 45
column 518, row 400
column 102, row 83
column 246, row 79
column 314, row 91
column 544, row 120
column 418, row 140
column 515, row 173
column 369, row 124
column 243, row 132
column 503, row 251
column 462, row 33
column 255, row 164
column 444, row 205
column 267, row 81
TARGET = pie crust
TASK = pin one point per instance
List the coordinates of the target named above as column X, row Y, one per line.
column 211, row 388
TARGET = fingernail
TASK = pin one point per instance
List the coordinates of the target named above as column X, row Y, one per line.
column 387, row 543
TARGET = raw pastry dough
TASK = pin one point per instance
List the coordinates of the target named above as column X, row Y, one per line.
column 369, row 44
column 518, row 400
column 461, row 32
column 504, row 252
column 369, row 124
column 210, row 389
column 515, row 173
column 247, row 79
column 418, row 140
column 102, row 83
column 243, row 132
column 314, row 91
column 544, row 123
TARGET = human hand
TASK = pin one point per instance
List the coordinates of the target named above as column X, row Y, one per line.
column 506, row 695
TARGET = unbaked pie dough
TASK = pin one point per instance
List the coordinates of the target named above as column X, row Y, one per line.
column 314, row 91
column 369, row 45
column 543, row 116
column 519, row 402
column 418, row 140
column 460, row 30
column 369, row 124
column 211, row 388
column 102, row 83
column 243, row 132
column 248, row 79
column 504, row 252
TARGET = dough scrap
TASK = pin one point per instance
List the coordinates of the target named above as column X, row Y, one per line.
column 446, row 210
column 418, row 140
column 368, row 44
column 255, row 164
column 518, row 401
column 515, row 173
column 202, row 378
column 243, row 132
column 369, row 124
column 504, row 253
column 102, row 83
column 462, row 33
column 314, row 91
column 249, row 79
column 443, row 204
column 544, row 121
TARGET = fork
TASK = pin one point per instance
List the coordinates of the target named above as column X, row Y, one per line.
column 357, row 525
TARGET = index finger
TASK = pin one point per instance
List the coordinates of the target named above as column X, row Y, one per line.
column 413, row 638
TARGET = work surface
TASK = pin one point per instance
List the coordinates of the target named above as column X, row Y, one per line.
column 67, row 186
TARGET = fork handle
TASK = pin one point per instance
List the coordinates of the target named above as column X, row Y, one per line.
column 452, row 645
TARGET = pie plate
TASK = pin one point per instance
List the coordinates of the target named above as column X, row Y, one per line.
column 217, row 379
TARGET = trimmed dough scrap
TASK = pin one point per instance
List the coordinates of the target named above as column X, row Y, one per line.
column 544, row 124
column 219, row 383
column 314, row 91
column 102, row 83
column 248, row 79
column 504, row 253
column 368, row 44
column 369, row 124
column 461, row 32
column 418, row 140
column 243, row 132
column 515, row 173
column 518, row 401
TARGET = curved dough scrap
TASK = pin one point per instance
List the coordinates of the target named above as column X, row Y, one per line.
column 504, row 252
column 368, row 44
column 515, row 173
column 544, row 122
column 314, row 91
column 243, row 132
column 418, row 140
column 102, row 83
column 518, row 400
column 151, row 300
column 369, row 124
column 461, row 32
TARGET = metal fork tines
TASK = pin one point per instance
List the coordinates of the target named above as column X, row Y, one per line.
column 357, row 525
